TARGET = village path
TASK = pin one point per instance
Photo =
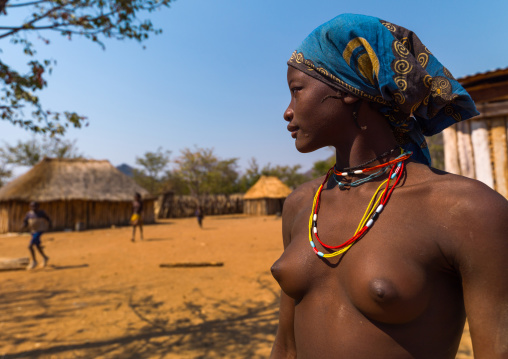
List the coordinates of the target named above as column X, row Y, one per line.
column 105, row 297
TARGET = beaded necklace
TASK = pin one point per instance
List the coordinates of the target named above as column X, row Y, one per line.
column 344, row 185
column 371, row 213
column 402, row 157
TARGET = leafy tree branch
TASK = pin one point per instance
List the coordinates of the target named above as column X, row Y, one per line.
column 95, row 20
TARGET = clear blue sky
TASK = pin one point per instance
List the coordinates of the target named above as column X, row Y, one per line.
column 216, row 76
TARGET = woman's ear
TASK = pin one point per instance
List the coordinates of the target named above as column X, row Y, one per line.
column 349, row 99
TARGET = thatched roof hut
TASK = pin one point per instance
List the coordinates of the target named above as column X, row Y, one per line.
column 265, row 197
column 478, row 148
column 76, row 193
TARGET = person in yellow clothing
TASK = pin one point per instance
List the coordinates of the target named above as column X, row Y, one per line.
column 137, row 217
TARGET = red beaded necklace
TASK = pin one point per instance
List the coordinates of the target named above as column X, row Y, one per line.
column 397, row 168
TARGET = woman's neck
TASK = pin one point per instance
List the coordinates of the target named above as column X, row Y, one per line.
column 371, row 140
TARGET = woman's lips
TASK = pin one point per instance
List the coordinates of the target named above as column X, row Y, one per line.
column 293, row 131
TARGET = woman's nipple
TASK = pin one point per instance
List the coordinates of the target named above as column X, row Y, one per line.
column 276, row 270
column 382, row 290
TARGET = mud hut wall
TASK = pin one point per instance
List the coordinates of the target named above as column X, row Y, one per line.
column 263, row 206
column 480, row 150
column 65, row 214
column 254, row 207
column 11, row 216
column 4, row 218
column 173, row 206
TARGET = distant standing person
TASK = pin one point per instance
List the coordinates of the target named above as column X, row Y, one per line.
column 199, row 216
column 137, row 217
column 37, row 222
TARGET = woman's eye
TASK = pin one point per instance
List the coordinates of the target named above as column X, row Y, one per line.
column 295, row 89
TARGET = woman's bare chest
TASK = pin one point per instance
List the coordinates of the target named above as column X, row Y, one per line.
column 389, row 275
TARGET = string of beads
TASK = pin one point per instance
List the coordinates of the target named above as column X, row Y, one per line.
column 371, row 213
column 383, row 155
column 346, row 185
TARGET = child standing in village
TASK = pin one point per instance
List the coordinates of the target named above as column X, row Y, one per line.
column 136, row 218
column 37, row 222
column 199, row 216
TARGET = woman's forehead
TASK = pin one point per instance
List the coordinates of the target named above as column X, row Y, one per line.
column 295, row 74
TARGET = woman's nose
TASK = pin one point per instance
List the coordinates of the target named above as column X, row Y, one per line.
column 288, row 114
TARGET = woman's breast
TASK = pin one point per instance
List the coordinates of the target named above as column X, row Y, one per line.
column 295, row 269
column 389, row 285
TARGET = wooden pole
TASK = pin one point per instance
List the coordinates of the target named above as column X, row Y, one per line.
column 481, row 151
column 465, row 149
column 499, row 134
column 13, row 263
column 191, row 264
column 451, row 156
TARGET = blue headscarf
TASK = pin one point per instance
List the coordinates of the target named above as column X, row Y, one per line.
column 387, row 64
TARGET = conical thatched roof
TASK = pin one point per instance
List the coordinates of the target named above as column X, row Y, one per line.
column 268, row 187
column 72, row 179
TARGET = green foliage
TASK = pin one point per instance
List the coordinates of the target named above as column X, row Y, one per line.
column 175, row 183
column 30, row 152
column 290, row 175
column 153, row 164
column 95, row 20
column 321, row 167
column 204, row 173
column 250, row 177
column 5, row 172
column 436, row 149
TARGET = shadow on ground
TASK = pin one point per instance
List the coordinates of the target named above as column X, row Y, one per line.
column 216, row 329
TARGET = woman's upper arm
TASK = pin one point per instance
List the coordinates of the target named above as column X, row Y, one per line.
column 482, row 257
column 284, row 344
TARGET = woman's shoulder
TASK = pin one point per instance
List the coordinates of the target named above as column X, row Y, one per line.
column 466, row 197
column 303, row 192
column 300, row 199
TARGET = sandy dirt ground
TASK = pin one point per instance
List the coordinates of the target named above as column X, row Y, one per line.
column 102, row 296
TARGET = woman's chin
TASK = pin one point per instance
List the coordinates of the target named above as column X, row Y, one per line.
column 305, row 148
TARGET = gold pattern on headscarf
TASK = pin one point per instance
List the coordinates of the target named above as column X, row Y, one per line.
column 307, row 66
column 400, row 49
column 322, row 71
column 447, row 73
column 389, row 26
column 415, row 107
column 402, row 67
column 401, row 82
column 368, row 63
column 423, row 59
column 450, row 111
column 399, row 98
column 426, row 100
column 441, row 87
column 427, row 80
column 299, row 58
column 405, row 41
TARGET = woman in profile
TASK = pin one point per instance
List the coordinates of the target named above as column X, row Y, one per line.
column 385, row 256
